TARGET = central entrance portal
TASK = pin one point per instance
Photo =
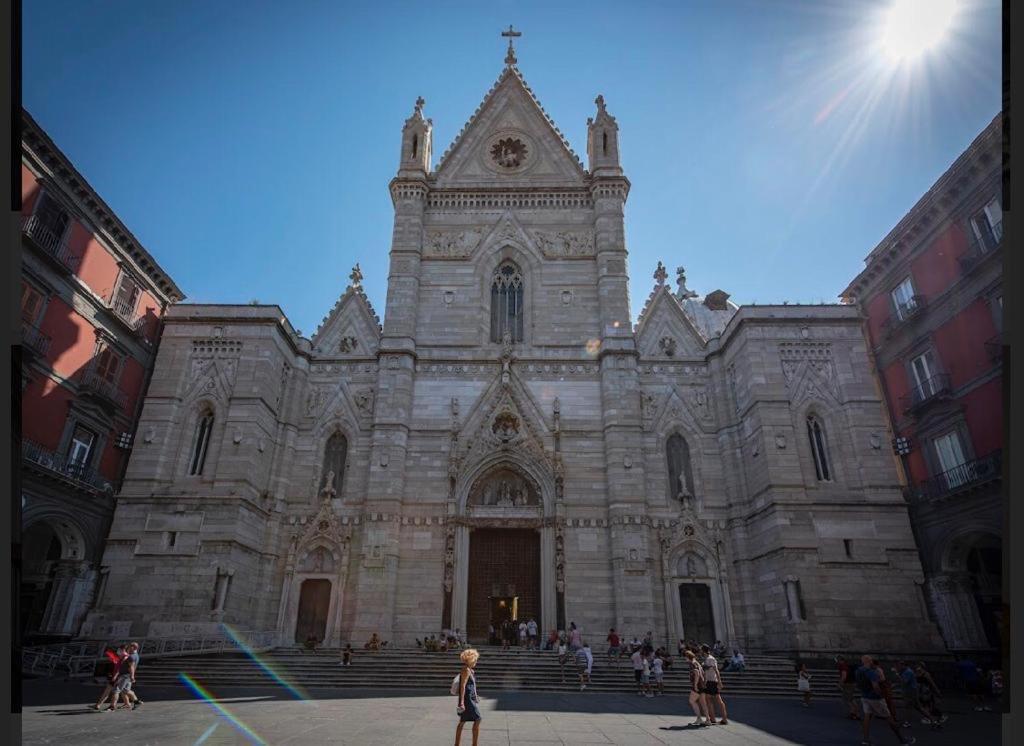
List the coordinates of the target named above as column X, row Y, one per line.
column 698, row 617
column 504, row 578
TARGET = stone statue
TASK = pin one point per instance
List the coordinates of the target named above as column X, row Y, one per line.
column 520, row 497
column 328, row 491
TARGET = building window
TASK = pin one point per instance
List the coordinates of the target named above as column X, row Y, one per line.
column 816, row 436
column 987, row 225
column 31, row 303
column 108, row 363
column 80, row 449
column 172, row 539
column 335, row 453
column 903, row 301
column 507, row 303
column 926, row 381
column 127, row 297
column 848, row 548
column 51, row 216
column 950, row 456
column 680, row 474
column 202, row 442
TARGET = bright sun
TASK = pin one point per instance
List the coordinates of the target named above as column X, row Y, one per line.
column 914, row 26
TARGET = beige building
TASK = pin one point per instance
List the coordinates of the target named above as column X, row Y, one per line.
column 510, row 441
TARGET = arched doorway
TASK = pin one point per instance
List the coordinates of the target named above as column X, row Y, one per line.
column 314, row 606
column 504, row 553
column 984, row 565
column 40, row 550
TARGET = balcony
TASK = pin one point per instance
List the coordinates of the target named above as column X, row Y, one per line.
column 50, row 241
column 91, row 384
column 969, row 476
column 981, row 247
column 82, row 476
column 904, row 314
column 34, row 340
column 930, row 390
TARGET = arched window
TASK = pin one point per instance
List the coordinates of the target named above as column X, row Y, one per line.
column 678, row 453
column 507, row 303
column 201, row 444
column 335, row 453
column 415, row 145
column 816, row 436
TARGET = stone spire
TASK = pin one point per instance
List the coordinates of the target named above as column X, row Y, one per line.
column 603, row 141
column 683, row 293
column 510, row 56
column 416, row 141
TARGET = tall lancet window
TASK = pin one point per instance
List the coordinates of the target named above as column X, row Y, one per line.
column 680, row 475
column 816, row 435
column 201, row 443
column 507, row 303
column 335, row 453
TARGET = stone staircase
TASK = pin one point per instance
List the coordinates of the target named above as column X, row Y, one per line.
column 519, row 670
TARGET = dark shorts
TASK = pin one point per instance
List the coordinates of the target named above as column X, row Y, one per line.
column 711, row 687
column 638, row 674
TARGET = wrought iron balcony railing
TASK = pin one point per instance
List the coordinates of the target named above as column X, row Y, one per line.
column 33, row 339
column 980, row 248
column 83, row 475
column 928, row 391
column 90, row 383
column 963, row 477
column 50, row 240
column 903, row 314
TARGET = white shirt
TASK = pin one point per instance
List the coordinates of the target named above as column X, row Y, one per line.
column 531, row 628
column 638, row 661
column 561, row 648
column 657, row 663
column 710, row 668
column 590, row 658
column 522, row 629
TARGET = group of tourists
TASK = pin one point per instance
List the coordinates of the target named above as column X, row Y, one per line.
column 523, row 633
column 442, row 643
column 123, row 661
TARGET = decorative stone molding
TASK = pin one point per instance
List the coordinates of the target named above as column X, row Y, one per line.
column 672, row 368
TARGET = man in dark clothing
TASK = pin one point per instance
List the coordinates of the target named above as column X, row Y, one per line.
column 970, row 674
column 847, row 687
column 873, row 703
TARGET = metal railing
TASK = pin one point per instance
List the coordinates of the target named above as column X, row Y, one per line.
column 971, row 474
column 84, row 476
column 91, row 382
column 928, row 390
column 124, row 311
column 34, row 339
column 79, row 659
column 904, row 313
column 979, row 248
column 53, row 243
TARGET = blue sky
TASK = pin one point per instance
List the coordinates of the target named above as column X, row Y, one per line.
column 249, row 145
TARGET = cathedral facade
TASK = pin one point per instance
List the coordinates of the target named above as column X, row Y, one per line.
column 509, row 443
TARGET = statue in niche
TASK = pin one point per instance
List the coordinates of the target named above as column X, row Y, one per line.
column 328, row 490
column 519, row 500
column 691, row 566
column 505, row 495
column 318, row 560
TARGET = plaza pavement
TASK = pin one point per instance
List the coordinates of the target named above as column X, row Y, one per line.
column 55, row 713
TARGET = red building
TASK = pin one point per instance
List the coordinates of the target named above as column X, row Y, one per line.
column 932, row 296
column 92, row 299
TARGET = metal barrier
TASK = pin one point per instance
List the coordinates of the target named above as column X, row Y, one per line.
column 78, row 659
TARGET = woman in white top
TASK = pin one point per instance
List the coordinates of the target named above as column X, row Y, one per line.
column 712, row 686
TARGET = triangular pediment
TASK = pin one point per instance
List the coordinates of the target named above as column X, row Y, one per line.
column 509, row 142
column 351, row 329
column 665, row 332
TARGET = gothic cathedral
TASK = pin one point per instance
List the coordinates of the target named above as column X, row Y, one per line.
column 510, row 443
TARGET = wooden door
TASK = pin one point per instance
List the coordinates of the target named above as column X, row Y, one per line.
column 314, row 603
column 698, row 618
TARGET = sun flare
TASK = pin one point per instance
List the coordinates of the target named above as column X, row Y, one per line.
column 912, row 27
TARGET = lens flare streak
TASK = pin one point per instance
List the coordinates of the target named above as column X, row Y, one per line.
column 294, row 689
column 200, row 691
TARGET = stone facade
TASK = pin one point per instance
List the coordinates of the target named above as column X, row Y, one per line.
column 559, row 422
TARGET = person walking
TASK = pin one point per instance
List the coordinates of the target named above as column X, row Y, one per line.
column 346, row 654
column 873, row 703
column 563, row 656
column 468, row 708
column 911, row 697
column 696, row 689
column 645, row 672
column 585, row 661
column 970, row 676
column 712, row 686
column 637, row 659
column 522, row 634
column 886, row 687
column 114, row 659
column 531, row 633
column 658, row 672
column 126, row 679
column 575, row 637
column 614, row 647
column 928, row 694
column 847, row 687
column 803, row 683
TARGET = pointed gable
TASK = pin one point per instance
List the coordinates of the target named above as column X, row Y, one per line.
column 665, row 331
column 352, row 328
column 510, row 138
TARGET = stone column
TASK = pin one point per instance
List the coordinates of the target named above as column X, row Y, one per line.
column 70, row 596
column 956, row 611
column 460, row 587
column 284, row 636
